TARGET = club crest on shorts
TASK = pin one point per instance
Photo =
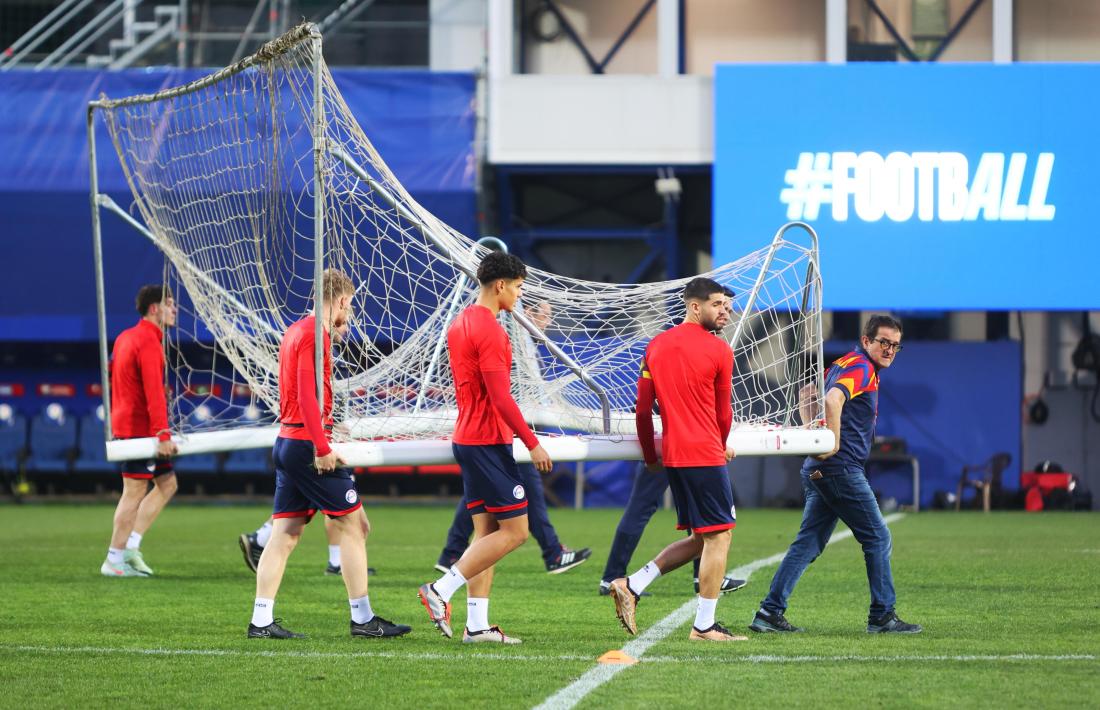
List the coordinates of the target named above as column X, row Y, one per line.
column 351, row 496
column 518, row 492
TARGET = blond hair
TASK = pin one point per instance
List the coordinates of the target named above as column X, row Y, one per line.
column 336, row 284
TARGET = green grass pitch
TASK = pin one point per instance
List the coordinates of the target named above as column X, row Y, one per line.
column 1009, row 602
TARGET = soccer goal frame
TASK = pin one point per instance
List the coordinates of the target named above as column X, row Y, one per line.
column 597, row 439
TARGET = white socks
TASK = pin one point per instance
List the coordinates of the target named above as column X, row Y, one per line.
column 361, row 612
column 448, row 584
column 114, row 556
column 263, row 534
column 477, row 614
column 263, row 611
column 704, row 613
column 134, row 542
column 642, row 578
column 334, row 555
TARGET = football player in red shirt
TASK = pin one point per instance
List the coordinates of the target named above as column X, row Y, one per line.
column 488, row 421
column 309, row 475
column 139, row 409
column 252, row 544
column 689, row 372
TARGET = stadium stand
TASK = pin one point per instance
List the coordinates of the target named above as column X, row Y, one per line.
column 53, row 440
column 92, row 453
column 13, row 439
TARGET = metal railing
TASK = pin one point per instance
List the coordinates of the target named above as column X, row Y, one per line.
column 74, row 32
column 70, row 21
column 46, row 28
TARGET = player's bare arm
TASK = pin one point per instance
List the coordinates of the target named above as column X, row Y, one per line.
column 834, row 405
column 541, row 459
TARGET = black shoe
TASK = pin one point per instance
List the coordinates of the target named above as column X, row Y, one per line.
column 729, row 584
column 605, row 590
column 765, row 623
column 251, row 549
column 567, row 560
column 378, row 627
column 332, row 569
column 272, row 631
column 889, row 623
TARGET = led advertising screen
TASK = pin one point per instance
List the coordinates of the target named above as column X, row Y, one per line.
column 931, row 186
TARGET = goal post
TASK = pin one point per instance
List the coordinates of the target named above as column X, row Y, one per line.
column 253, row 180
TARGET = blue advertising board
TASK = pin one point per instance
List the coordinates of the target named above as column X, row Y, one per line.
column 931, row 186
column 421, row 123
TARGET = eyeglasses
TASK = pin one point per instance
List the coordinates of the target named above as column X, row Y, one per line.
column 888, row 344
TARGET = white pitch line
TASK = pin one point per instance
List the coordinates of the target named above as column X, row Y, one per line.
column 570, row 695
column 974, row 658
column 464, row 658
column 222, row 652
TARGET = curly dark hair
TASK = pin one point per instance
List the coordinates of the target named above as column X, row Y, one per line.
column 499, row 265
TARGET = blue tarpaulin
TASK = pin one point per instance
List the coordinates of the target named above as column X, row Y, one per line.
column 422, row 123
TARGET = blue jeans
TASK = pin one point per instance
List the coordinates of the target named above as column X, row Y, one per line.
column 645, row 498
column 458, row 537
column 845, row 495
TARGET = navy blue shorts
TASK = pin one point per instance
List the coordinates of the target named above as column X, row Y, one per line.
column 146, row 468
column 300, row 491
column 491, row 480
column 703, row 498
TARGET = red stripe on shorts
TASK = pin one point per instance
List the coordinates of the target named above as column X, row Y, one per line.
column 296, row 514
column 338, row 513
column 715, row 528
column 507, row 508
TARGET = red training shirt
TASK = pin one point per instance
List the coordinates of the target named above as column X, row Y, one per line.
column 689, row 371
column 138, row 405
column 481, row 362
column 298, row 409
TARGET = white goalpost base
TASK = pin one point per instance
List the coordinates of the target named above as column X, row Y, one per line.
column 746, row 440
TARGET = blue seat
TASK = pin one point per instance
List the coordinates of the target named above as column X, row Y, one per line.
column 206, row 464
column 248, row 461
column 92, row 455
column 53, row 441
column 13, row 441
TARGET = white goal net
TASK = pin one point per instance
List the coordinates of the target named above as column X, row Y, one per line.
column 252, row 179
